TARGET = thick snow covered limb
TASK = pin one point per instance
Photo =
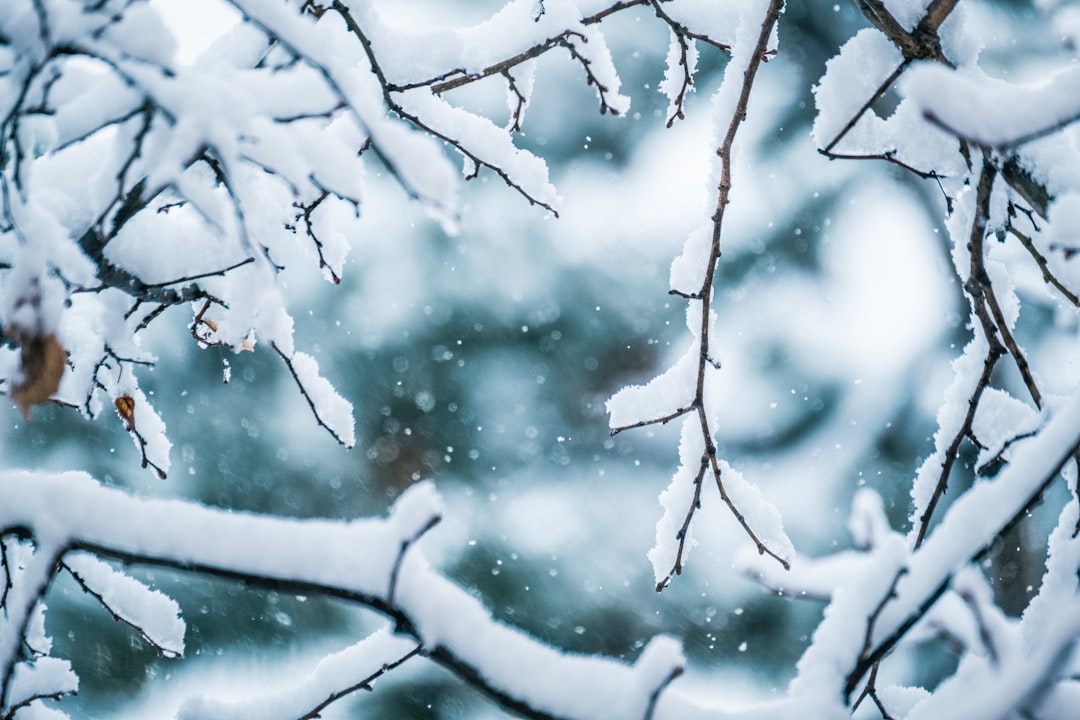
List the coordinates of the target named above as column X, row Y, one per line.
column 1013, row 685
column 28, row 581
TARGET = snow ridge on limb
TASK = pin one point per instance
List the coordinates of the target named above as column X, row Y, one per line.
column 687, row 381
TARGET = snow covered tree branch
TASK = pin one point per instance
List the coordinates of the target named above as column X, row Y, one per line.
column 135, row 187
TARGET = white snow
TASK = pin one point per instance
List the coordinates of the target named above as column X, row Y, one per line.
column 991, row 111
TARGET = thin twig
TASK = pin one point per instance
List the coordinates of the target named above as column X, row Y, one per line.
column 684, row 532
column 874, row 97
column 306, row 211
column 762, row 548
column 664, row 420
column 705, row 296
column 706, row 293
column 396, row 108
column 108, row 608
column 1048, row 276
column 687, row 80
column 444, row 83
column 5, row 564
column 1011, row 345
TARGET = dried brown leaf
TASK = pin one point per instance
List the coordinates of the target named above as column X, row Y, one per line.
column 41, row 364
column 125, row 408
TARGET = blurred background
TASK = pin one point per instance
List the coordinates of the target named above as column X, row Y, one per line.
column 483, row 360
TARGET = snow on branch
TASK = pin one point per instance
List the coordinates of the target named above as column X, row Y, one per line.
column 687, row 381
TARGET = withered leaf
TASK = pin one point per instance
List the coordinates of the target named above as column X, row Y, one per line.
column 41, row 364
column 125, row 408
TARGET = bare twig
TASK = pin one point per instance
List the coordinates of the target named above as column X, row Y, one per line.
column 518, row 113
column 762, row 548
column 304, row 215
column 687, row 79
column 5, row 564
column 1048, row 276
column 445, row 82
column 200, row 321
column 682, row 30
column 876, row 613
column 655, row 421
column 854, row 119
column 889, row 157
column 1010, row 343
column 105, row 604
column 870, row 691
